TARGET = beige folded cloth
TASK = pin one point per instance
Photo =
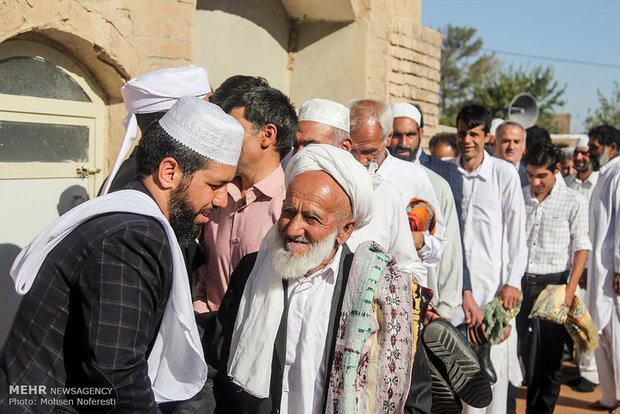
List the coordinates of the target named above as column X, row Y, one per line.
column 550, row 306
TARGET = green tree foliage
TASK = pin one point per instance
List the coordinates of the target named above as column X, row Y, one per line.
column 460, row 66
column 467, row 76
column 498, row 89
column 609, row 110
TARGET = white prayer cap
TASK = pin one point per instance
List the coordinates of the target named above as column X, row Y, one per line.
column 204, row 128
column 344, row 169
column 583, row 141
column 159, row 90
column 325, row 112
column 494, row 124
column 155, row 92
column 406, row 110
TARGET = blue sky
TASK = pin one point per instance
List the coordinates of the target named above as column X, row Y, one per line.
column 585, row 30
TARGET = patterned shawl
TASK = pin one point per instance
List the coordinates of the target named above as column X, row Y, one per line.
column 373, row 355
column 550, row 305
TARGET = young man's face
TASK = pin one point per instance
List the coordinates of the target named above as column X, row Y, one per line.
column 471, row 141
column 541, row 179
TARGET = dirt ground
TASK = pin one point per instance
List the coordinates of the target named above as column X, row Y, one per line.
column 570, row 401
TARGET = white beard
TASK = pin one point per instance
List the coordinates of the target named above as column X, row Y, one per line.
column 288, row 266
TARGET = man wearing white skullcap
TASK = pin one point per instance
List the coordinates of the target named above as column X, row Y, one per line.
column 446, row 279
column 147, row 98
column 107, row 303
column 299, row 319
column 326, row 122
column 584, row 181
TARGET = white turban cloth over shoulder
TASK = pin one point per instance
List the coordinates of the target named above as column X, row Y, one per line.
column 350, row 174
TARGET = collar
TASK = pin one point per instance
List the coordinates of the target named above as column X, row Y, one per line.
column 483, row 170
column 270, row 186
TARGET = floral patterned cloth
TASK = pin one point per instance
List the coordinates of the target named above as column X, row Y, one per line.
column 373, row 355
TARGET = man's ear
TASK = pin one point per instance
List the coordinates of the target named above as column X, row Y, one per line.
column 558, row 168
column 487, row 137
column 345, row 231
column 270, row 132
column 613, row 150
column 346, row 144
column 169, row 174
column 420, row 133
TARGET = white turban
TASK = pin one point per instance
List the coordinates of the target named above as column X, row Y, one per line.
column 354, row 179
column 155, row 92
column 583, row 141
column 406, row 110
column 325, row 112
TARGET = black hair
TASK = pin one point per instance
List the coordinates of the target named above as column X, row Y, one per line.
column 535, row 135
column 156, row 144
column 542, row 154
column 444, row 137
column 144, row 120
column 235, row 84
column 474, row 115
column 265, row 105
column 605, row 135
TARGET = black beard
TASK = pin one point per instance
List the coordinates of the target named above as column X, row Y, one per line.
column 410, row 157
column 182, row 216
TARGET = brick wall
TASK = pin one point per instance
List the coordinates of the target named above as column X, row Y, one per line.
column 414, row 67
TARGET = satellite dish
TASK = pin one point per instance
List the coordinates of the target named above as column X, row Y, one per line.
column 523, row 110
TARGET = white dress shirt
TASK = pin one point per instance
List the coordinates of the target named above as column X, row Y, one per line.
column 585, row 187
column 556, row 228
column 309, row 306
column 604, row 232
column 390, row 228
column 412, row 182
column 493, row 224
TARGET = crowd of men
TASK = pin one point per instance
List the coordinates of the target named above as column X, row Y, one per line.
column 253, row 257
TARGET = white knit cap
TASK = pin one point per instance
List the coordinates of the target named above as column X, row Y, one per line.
column 406, row 110
column 344, row 169
column 325, row 112
column 494, row 124
column 204, row 128
column 154, row 92
column 583, row 141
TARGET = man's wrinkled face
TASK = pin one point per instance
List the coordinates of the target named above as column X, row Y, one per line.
column 405, row 139
column 541, row 179
column 581, row 159
column 510, row 144
column 311, row 132
column 368, row 146
column 599, row 154
column 471, row 141
column 195, row 198
column 310, row 224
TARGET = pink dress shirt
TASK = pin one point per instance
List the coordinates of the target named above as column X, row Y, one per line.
column 234, row 231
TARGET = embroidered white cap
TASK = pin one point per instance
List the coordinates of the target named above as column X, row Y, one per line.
column 326, row 112
column 406, row 110
column 204, row 128
column 583, row 141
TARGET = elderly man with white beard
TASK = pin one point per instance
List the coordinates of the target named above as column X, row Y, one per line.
column 307, row 326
